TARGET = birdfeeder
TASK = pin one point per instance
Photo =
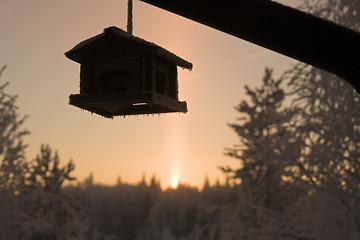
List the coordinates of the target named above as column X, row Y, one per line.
column 121, row 74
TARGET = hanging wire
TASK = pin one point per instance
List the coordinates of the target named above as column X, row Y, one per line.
column 130, row 17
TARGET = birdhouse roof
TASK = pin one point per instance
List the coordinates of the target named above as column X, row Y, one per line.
column 77, row 52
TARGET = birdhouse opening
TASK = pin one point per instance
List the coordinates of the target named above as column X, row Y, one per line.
column 117, row 80
column 166, row 81
column 161, row 82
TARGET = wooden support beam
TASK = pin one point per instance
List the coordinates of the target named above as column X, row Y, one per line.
column 282, row 29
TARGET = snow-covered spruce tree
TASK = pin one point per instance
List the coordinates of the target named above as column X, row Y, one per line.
column 41, row 211
column 258, row 207
column 46, row 172
column 12, row 148
column 31, row 203
column 268, row 146
column 37, row 209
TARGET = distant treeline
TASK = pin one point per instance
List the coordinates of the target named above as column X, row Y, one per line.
column 145, row 211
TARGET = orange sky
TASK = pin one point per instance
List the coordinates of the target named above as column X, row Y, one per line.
column 34, row 36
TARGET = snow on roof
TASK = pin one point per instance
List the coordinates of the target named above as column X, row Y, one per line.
column 78, row 51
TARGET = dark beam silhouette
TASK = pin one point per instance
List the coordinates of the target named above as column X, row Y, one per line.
column 285, row 30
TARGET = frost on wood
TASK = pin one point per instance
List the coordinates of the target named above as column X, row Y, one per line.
column 125, row 75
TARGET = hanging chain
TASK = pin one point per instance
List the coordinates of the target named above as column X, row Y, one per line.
column 130, row 17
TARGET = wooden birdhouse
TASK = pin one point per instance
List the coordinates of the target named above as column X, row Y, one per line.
column 121, row 74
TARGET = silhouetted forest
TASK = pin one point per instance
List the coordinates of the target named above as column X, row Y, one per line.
column 298, row 174
column 144, row 210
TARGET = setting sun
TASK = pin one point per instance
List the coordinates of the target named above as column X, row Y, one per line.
column 175, row 178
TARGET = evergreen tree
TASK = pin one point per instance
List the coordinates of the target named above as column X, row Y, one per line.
column 12, row 147
column 268, row 147
column 46, row 172
column 32, row 205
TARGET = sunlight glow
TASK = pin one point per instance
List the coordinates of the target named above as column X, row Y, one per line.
column 175, row 178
